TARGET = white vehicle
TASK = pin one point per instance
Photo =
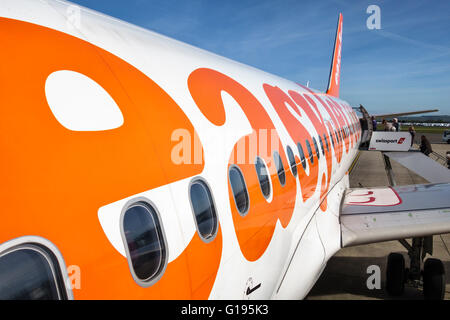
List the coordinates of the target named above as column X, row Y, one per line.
column 446, row 136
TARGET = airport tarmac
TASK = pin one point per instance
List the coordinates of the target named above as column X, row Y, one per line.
column 345, row 275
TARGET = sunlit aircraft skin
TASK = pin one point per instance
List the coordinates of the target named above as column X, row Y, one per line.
column 67, row 179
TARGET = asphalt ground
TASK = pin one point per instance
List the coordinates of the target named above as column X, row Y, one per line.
column 346, row 274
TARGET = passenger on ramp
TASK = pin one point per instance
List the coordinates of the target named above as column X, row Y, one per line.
column 425, row 146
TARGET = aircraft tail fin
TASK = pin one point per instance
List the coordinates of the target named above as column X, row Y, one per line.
column 335, row 70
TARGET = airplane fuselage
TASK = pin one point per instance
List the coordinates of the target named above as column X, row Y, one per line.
column 166, row 116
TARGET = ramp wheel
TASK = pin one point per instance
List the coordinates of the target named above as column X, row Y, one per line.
column 433, row 279
column 395, row 274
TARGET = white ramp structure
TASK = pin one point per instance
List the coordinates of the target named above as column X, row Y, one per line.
column 422, row 165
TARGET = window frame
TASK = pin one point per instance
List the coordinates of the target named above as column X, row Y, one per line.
column 310, row 152
column 269, row 180
column 316, row 148
column 242, row 214
column 322, row 148
column 145, row 201
column 301, row 152
column 51, row 253
column 206, row 186
column 282, row 166
column 326, row 142
column 290, row 162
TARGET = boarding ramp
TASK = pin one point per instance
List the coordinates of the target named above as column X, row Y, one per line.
column 397, row 146
column 424, row 166
column 438, row 158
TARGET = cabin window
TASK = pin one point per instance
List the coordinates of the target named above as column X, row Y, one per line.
column 308, row 147
column 292, row 161
column 302, row 155
column 144, row 243
column 28, row 272
column 316, row 148
column 204, row 209
column 239, row 190
column 321, row 145
column 263, row 177
column 280, row 168
column 326, row 142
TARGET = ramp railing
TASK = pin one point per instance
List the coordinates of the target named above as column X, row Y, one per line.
column 439, row 158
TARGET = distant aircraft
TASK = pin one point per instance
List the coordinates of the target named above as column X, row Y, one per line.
column 134, row 166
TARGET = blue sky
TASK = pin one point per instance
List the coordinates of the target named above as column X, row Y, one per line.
column 403, row 66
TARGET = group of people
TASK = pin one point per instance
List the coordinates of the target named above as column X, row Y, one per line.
column 425, row 145
column 388, row 126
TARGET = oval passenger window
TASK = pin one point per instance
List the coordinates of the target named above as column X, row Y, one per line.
column 316, row 148
column 302, row 155
column 204, row 209
column 144, row 242
column 321, row 146
column 326, row 142
column 26, row 274
column 332, row 139
column 308, row 146
column 280, row 168
column 263, row 177
column 239, row 190
column 292, row 161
